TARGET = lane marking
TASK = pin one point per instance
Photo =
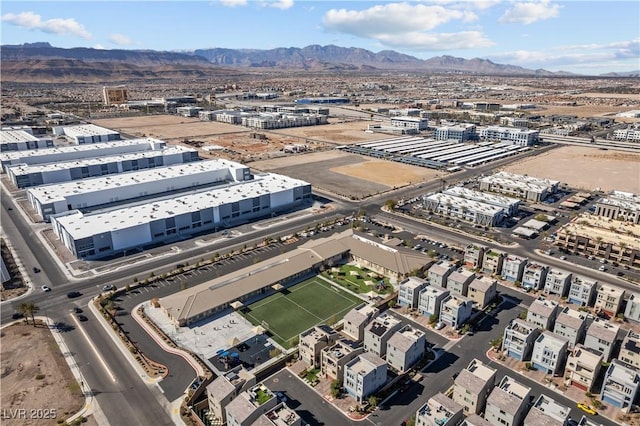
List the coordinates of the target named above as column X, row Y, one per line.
column 93, row 347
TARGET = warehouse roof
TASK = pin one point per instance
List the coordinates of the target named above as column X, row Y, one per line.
column 14, row 136
column 87, row 130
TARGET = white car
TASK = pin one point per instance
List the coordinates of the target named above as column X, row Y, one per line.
column 439, row 326
column 45, row 288
column 563, row 257
column 108, row 287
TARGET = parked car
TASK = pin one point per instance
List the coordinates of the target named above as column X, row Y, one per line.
column 17, row 315
column 45, row 288
column 82, row 318
column 563, row 257
column 439, row 326
column 587, row 409
column 36, row 269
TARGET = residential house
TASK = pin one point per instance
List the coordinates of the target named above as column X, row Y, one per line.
column 357, row 319
column 378, row 332
column 482, row 291
column 620, row 387
column 602, row 336
column 630, row 350
column 549, row 353
column 571, row 324
column 557, row 282
column 313, row 340
column 439, row 410
column 582, row 291
column 455, row 310
column 492, row 262
column 405, row 348
column 459, row 280
column 609, row 299
column 519, row 338
column 280, row 415
column 409, row 290
column 475, row 420
column 513, row 267
column 508, row 403
column 439, row 272
column 334, row 358
column 547, row 412
column 632, row 311
column 431, row 298
column 543, row 312
column 224, row 388
column 364, row 375
column 473, row 256
column 245, row 409
column 534, row 275
column 473, row 385
column 583, row 367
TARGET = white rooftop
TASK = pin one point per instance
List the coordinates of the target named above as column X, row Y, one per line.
column 469, row 205
column 81, row 226
column 483, row 197
column 551, row 340
column 16, row 136
column 87, row 130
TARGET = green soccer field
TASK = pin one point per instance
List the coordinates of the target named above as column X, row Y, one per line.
column 290, row 312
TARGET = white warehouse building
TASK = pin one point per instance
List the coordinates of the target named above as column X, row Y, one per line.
column 67, row 153
column 24, row 175
column 118, row 188
column 86, row 133
column 526, row 187
column 21, row 140
column 515, row 135
column 154, row 221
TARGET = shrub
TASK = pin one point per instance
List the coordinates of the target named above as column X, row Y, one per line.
column 40, row 376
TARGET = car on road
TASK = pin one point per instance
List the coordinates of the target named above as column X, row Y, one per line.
column 563, row 257
column 108, row 287
column 36, row 269
column 587, row 409
column 17, row 315
column 73, row 294
column 439, row 326
column 602, row 268
column 82, row 318
column 76, row 310
column 45, row 288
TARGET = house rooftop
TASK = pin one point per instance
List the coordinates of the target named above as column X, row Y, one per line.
column 413, row 282
column 522, row 326
column 509, row 395
column 610, row 290
column 618, row 372
column 586, row 356
column 381, row 324
column 571, row 318
column 406, row 337
column 632, row 342
column 475, row 377
column 542, row 307
column 551, row 340
column 603, row 330
column 438, row 410
column 547, row 412
column 281, row 415
column 482, row 284
column 365, row 363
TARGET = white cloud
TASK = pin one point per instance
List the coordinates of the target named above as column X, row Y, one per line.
column 530, row 12
column 406, row 26
column 233, row 3
column 33, row 21
column 278, row 4
column 120, row 39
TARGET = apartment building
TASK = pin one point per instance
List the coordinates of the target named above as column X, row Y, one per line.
column 224, row 388
column 513, row 267
column 455, row 310
column 557, row 282
column 618, row 205
column 473, row 385
column 571, row 324
column 526, row 187
column 518, row 339
column 632, row 310
column 582, row 291
column 630, row 350
column 583, row 367
column 461, row 132
column 492, row 262
column 473, row 256
column 482, row 291
column 602, row 336
column 378, row 332
column 620, row 387
column 459, row 280
column 549, row 353
column 248, row 406
column 514, row 135
column 439, row 410
column 357, row 319
column 543, row 312
column 280, row 415
column 609, row 299
column 508, row 403
column 313, row 340
column 430, row 300
column 405, row 348
column 334, row 358
column 475, row 420
column 364, row 375
column 439, row 272
column 534, row 275
column 409, row 291
column 547, row 412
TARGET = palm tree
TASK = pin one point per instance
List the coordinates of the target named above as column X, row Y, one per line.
column 28, row 309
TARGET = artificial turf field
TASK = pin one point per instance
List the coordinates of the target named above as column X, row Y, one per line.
column 300, row 307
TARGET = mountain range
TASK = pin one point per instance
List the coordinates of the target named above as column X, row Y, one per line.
column 41, row 61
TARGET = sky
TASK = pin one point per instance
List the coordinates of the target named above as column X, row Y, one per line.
column 585, row 37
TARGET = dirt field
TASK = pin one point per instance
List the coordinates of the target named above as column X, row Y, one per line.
column 386, row 172
column 585, row 168
column 339, row 133
column 36, row 378
column 168, row 127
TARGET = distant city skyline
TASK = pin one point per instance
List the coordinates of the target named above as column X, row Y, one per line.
column 577, row 36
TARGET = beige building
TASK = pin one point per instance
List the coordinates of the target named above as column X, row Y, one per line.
column 405, row 348
column 364, row 375
column 508, row 403
column 458, row 281
column 474, row 255
column 356, row 320
column 602, row 336
column 630, row 350
column 543, row 312
column 609, row 299
column 571, row 324
column 482, row 291
column 439, row 410
column 547, row 412
column 223, row 389
column 583, row 367
column 247, row 407
column 473, row 385
column 281, row 415
column 492, row 262
column 378, row 333
column 313, row 340
column 439, row 272
column 334, row 358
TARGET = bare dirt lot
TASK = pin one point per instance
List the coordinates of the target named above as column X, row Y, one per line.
column 339, row 133
column 36, row 378
column 346, row 174
column 585, row 168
